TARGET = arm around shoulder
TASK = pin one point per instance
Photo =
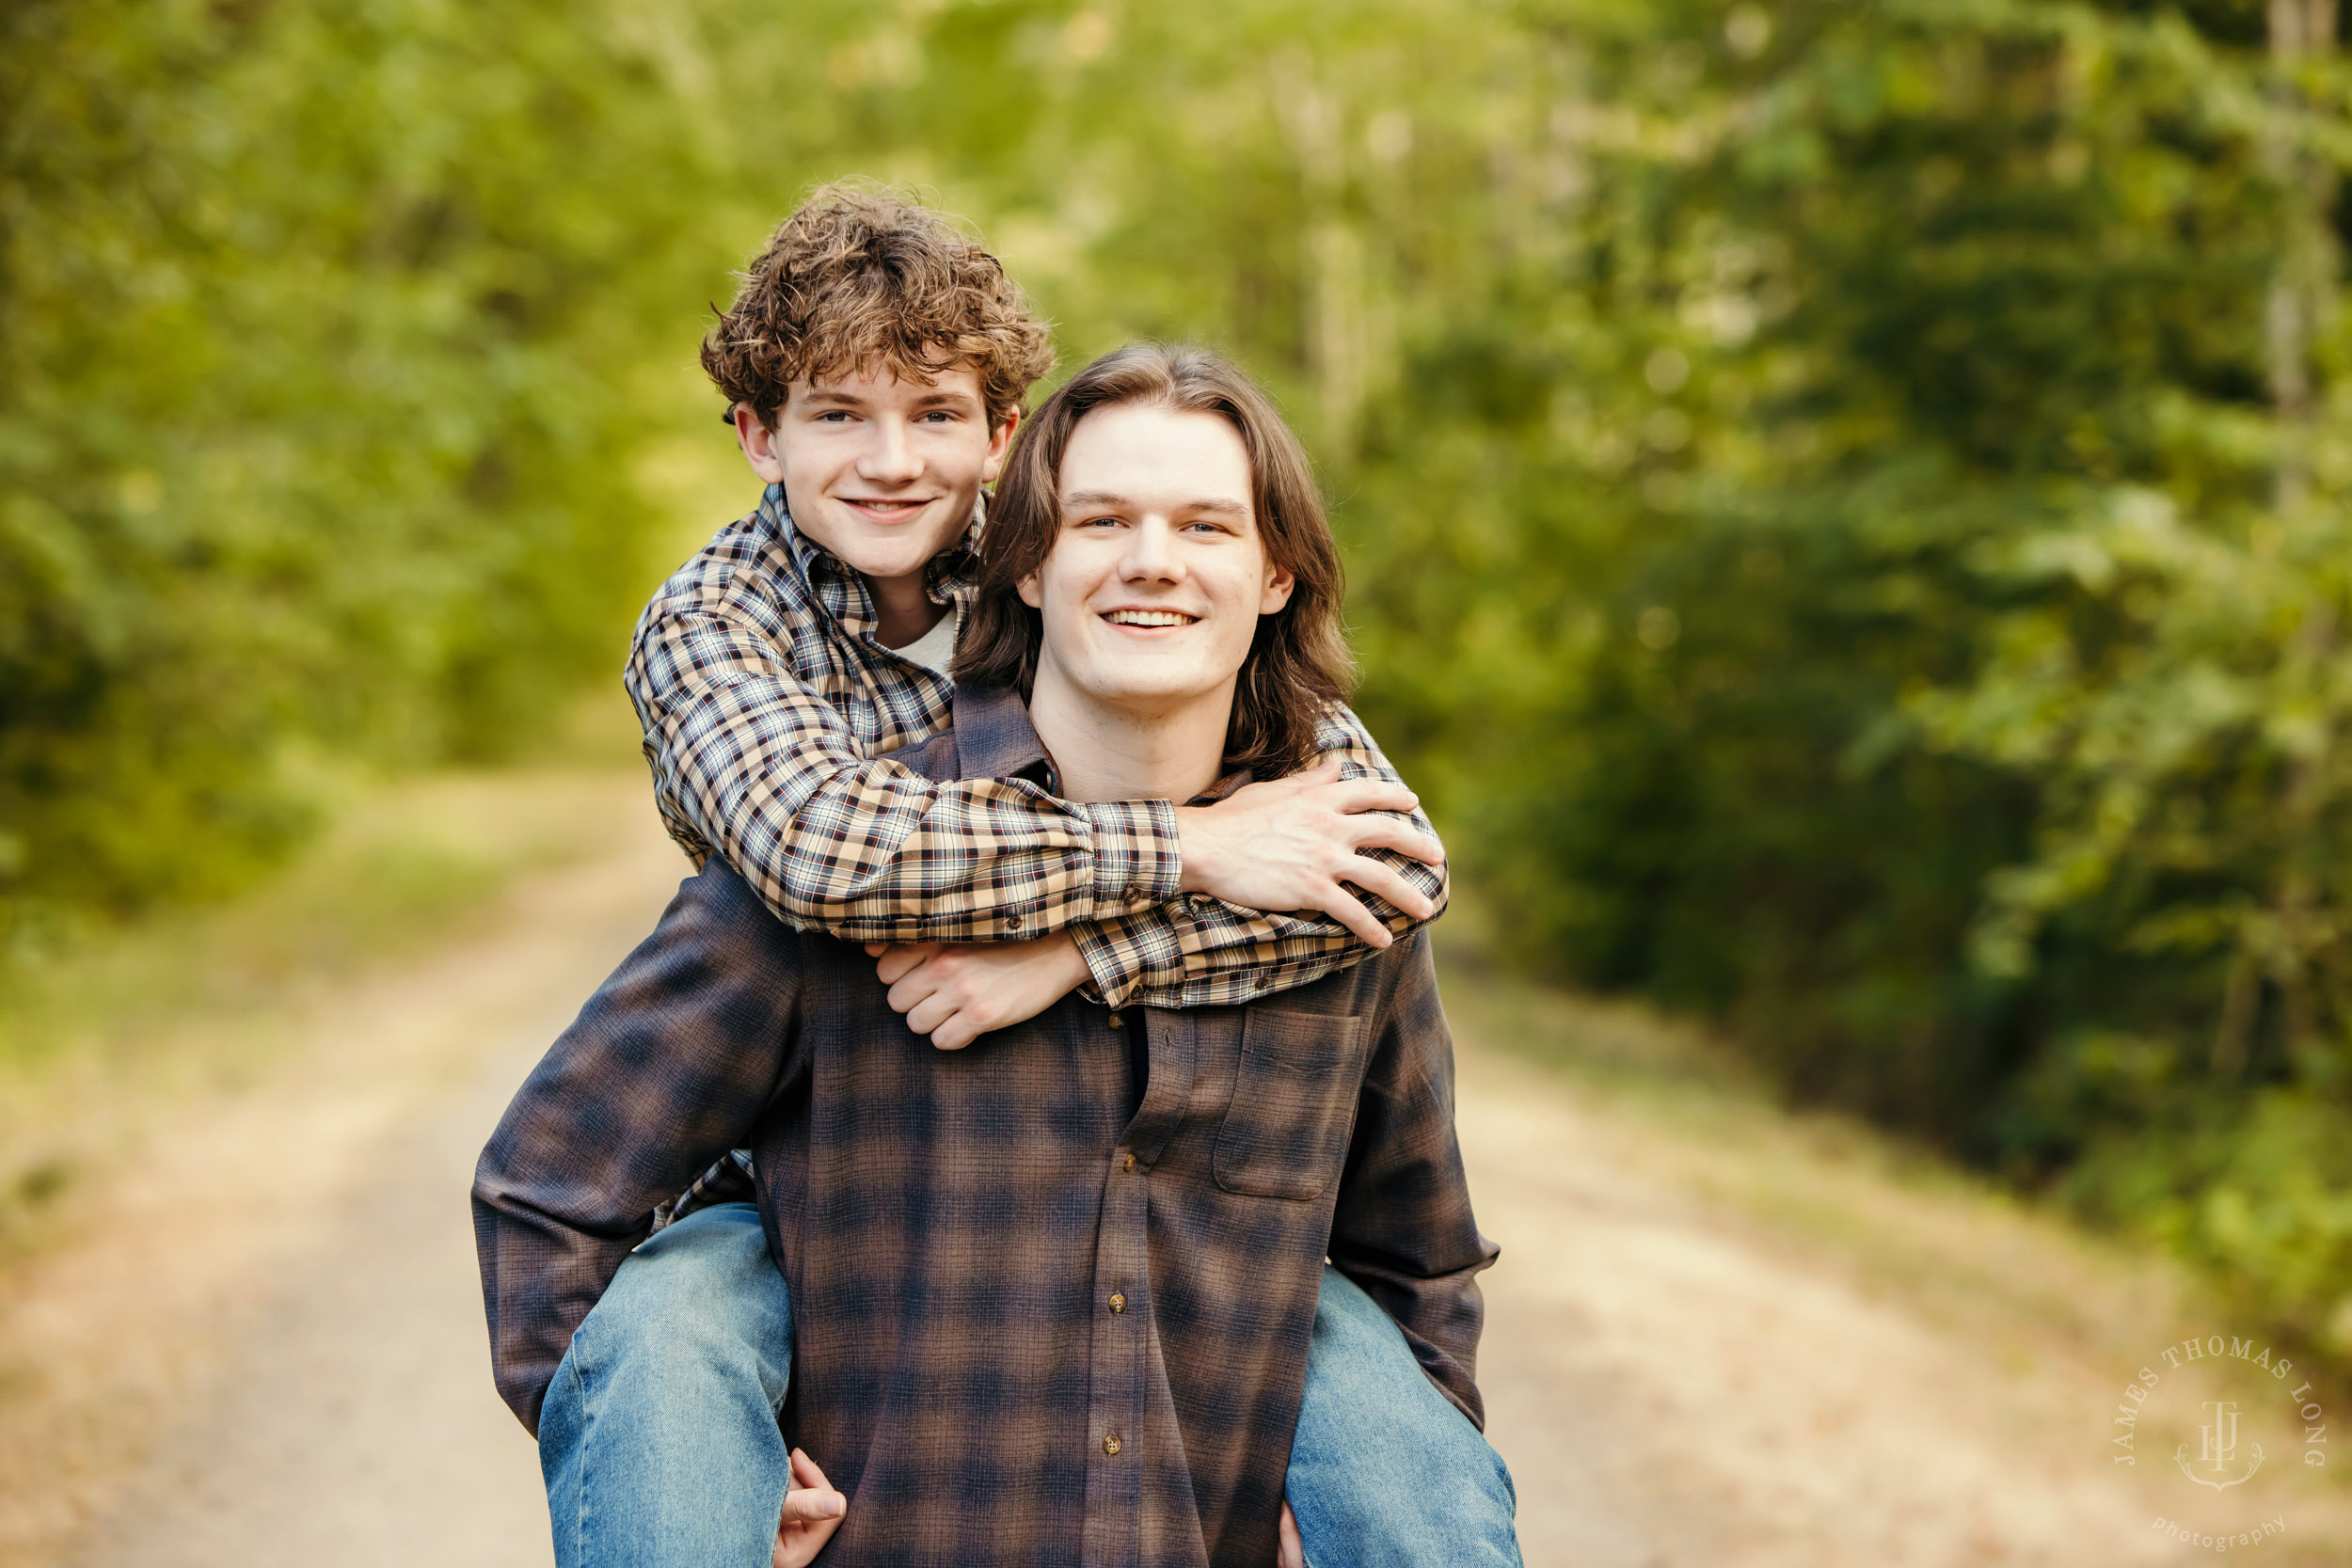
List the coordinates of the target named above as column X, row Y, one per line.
column 1287, row 881
column 753, row 761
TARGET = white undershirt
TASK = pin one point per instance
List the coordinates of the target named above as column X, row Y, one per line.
column 937, row 646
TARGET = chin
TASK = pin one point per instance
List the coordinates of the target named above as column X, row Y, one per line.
column 893, row 555
column 891, row 562
column 1130, row 689
column 886, row 552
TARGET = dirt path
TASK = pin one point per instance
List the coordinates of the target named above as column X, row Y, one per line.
column 1671, row 1389
column 350, row 1421
column 1676, row 1375
column 266, row 1346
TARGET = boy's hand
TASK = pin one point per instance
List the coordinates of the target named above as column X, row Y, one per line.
column 1290, row 844
column 957, row 993
column 812, row 1511
column 1293, row 1553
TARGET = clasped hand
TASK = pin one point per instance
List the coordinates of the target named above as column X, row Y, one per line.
column 956, row 994
column 1294, row 843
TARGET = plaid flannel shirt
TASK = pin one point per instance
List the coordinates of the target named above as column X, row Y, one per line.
column 1036, row 1322
column 765, row 702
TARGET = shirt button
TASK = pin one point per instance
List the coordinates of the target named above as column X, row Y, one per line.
column 1110, row 1445
column 1128, row 1163
column 1013, row 923
column 1119, row 1303
column 1116, row 1021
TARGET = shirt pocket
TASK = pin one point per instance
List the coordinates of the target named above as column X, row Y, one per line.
column 1294, row 1103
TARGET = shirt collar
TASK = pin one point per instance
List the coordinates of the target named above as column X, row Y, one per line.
column 995, row 739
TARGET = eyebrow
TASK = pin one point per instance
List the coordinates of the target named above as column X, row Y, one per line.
column 1077, row 498
column 929, row 400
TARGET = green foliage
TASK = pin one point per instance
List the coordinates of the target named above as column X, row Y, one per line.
column 1924, row 290
column 317, row 324
column 1847, row 502
column 1949, row 690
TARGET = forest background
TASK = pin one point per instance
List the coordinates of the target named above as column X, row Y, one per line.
column 1846, row 503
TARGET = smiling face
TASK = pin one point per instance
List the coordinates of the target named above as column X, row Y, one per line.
column 881, row 471
column 1150, row 593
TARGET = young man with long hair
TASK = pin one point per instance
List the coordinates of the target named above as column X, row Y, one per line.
column 1062, row 1298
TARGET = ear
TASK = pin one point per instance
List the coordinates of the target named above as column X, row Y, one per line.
column 1278, row 584
column 1032, row 591
column 759, row 444
column 999, row 443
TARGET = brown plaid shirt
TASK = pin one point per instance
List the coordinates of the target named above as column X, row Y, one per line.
column 765, row 704
column 1035, row 1324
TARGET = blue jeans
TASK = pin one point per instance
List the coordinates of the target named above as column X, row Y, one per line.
column 660, row 1444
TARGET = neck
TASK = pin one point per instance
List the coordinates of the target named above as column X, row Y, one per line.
column 1172, row 749
column 902, row 611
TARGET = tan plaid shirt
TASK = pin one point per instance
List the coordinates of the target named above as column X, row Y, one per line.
column 765, row 702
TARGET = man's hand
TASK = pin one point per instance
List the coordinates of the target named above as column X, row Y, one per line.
column 1290, row 844
column 1293, row 1553
column 812, row 1511
column 957, row 993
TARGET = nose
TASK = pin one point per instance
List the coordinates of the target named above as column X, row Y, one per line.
column 890, row 456
column 1151, row 554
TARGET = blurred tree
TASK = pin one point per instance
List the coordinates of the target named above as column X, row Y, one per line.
column 316, row 414
column 1913, row 292
column 1944, row 496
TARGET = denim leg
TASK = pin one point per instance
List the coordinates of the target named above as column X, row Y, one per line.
column 659, row 1436
column 1384, row 1472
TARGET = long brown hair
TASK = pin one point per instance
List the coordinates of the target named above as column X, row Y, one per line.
column 1299, row 666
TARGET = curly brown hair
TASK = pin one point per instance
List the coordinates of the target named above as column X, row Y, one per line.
column 860, row 277
column 1299, row 667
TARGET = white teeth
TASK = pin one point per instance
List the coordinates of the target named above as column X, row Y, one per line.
column 1148, row 618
